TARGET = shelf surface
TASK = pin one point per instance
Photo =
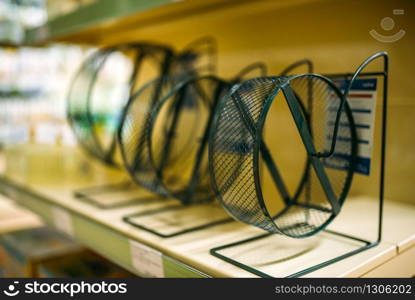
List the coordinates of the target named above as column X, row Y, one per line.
column 13, row 218
column 188, row 255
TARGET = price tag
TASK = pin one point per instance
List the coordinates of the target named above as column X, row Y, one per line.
column 63, row 221
column 146, row 260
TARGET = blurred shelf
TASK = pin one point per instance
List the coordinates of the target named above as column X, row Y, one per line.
column 188, row 255
column 96, row 22
column 23, row 94
column 88, row 16
column 95, row 235
column 88, row 23
column 9, row 44
column 13, row 218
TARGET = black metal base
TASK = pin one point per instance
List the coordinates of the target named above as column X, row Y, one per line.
column 91, row 195
column 365, row 244
column 215, row 252
column 131, row 219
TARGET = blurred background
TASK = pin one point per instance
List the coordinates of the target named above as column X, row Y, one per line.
column 43, row 43
column 34, row 133
column 33, row 79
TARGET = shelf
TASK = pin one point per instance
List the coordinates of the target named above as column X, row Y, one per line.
column 98, row 23
column 104, row 240
column 13, row 218
column 88, row 23
column 188, row 255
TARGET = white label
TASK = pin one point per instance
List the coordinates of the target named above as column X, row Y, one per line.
column 146, row 260
column 63, row 221
column 362, row 102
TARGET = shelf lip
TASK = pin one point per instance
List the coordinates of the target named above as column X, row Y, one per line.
column 43, row 206
column 88, row 16
column 97, row 232
column 89, row 24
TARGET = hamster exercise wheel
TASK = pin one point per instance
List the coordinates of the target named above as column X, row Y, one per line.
column 95, row 101
column 164, row 144
column 326, row 132
column 87, row 95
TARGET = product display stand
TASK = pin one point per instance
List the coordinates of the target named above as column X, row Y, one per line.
column 204, row 224
column 97, row 195
column 366, row 244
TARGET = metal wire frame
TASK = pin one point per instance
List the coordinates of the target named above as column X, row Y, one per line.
column 142, row 50
column 250, row 215
column 187, row 198
column 90, row 195
column 203, row 45
column 199, row 47
column 366, row 243
column 132, row 218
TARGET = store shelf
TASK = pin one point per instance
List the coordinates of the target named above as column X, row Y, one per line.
column 91, row 15
column 235, row 24
column 98, row 23
column 88, row 23
column 103, row 239
column 14, row 218
column 188, row 255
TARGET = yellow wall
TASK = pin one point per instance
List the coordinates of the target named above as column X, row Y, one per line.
column 334, row 34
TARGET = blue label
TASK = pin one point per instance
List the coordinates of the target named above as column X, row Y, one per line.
column 362, row 102
column 367, row 84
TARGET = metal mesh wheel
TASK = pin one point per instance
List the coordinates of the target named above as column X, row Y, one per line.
column 95, row 104
column 239, row 154
column 164, row 143
column 132, row 137
column 96, row 97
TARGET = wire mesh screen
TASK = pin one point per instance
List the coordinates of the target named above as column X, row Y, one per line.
column 97, row 97
column 78, row 107
column 164, row 144
column 132, row 136
column 238, row 152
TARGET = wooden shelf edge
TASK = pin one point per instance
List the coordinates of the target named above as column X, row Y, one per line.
column 95, row 14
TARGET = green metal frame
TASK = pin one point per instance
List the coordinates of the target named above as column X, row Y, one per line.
column 189, row 193
column 88, row 16
column 306, row 136
column 204, row 46
column 302, row 119
column 142, row 50
column 90, row 194
column 215, row 252
column 129, row 219
column 366, row 244
column 186, row 201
